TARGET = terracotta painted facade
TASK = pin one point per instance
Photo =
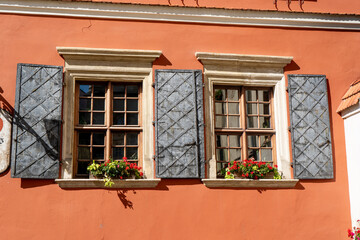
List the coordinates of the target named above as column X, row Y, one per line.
column 181, row 208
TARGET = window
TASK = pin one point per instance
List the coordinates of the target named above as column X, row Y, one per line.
column 243, row 124
column 107, row 113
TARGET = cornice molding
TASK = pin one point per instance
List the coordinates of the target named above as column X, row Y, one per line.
column 141, row 12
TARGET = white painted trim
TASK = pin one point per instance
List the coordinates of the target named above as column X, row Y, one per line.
column 247, row 70
column 181, row 14
column 350, row 111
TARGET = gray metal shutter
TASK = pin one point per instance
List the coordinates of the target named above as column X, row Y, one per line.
column 179, row 124
column 310, row 127
column 37, row 122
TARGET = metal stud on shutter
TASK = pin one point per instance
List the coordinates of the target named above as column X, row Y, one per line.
column 310, row 127
column 179, row 124
column 37, row 122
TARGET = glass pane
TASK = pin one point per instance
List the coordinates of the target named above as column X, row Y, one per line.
column 253, row 141
column 220, row 94
column 220, row 166
column 98, row 153
column 234, row 140
column 83, row 152
column 264, row 109
column 221, row 155
column 265, row 141
column 85, row 90
column 119, row 91
column 235, row 154
column 132, row 105
column 131, row 139
column 220, row 121
column 264, row 96
column 118, row 118
column 233, row 95
column 99, row 118
column 82, row 167
column 99, row 91
column 131, row 119
column 84, row 118
column 250, row 95
column 85, row 104
column 132, row 91
column 253, row 153
column 266, row 155
column 252, row 122
column 118, row 153
column 119, row 105
column 233, row 108
column 265, row 122
column 132, row 152
column 234, row 121
column 98, row 138
column 251, row 108
column 99, row 104
column 84, row 138
column 220, row 108
column 221, row 141
column 118, row 138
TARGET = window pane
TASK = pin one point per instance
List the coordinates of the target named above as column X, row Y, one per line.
column 253, row 141
column 251, row 108
column 264, row 109
column 234, row 140
column 132, row 152
column 99, row 104
column 233, row 108
column 264, row 96
column 85, row 104
column 252, row 122
column 220, row 94
column 118, row 138
column 220, row 121
column 265, row 141
column 234, row 121
column 131, row 139
column 132, row 91
column 221, row 155
column 265, row 122
column 84, row 138
column 253, row 153
column 118, row 153
column 83, row 152
column 98, row 118
column 233, row 95
column 266, row 155
column 119, row 91
column 118, row 119
column 235, row 154
column 99, row 91
column 221, row 141
column 131, row 119
column 98, row 153
column 85, row 90
column 119, row 105
column 250, row 95
column 220, row 108
column 98, row 138
column 84, row 118
column 132, row 105
column 82, row 167
column 221, row 165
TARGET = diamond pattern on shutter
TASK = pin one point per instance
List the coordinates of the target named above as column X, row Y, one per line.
column 310, row 127
column 179, row 124
column 37, row 122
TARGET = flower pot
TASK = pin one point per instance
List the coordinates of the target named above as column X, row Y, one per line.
column 238, row 175
column 95, row 177
column 270, row 175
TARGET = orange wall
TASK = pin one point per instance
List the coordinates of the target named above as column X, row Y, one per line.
column 179, row 209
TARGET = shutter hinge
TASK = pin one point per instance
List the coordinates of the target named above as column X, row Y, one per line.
column 289, row 128
column 292, row 165
column 64, row 84
column 153, row 123
column 153, row 85
column 287, row 89
column 153, row 157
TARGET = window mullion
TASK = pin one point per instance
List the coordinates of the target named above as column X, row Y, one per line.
column 108, row 111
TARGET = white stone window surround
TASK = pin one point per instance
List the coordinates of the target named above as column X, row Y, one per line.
column 254, row 71
column 116, row 65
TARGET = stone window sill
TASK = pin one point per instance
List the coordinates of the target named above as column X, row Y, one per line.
column 99, row 183
column 249, row 183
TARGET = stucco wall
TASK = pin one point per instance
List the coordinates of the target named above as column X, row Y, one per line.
column 179, row 209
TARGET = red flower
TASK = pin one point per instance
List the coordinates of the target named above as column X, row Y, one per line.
column 120, row 177
column 141, row 174
column 262, row 174
column 105, row 164
column 275, row 166
column 252, row 173
column 228, row 173
column 243, row 175
column 125, row 158
column 256, row 177
column 269, row 167
column 127, row 168
column 247, row 174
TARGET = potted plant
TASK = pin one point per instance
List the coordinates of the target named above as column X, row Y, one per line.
column 95, row 170
column 354, row 234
